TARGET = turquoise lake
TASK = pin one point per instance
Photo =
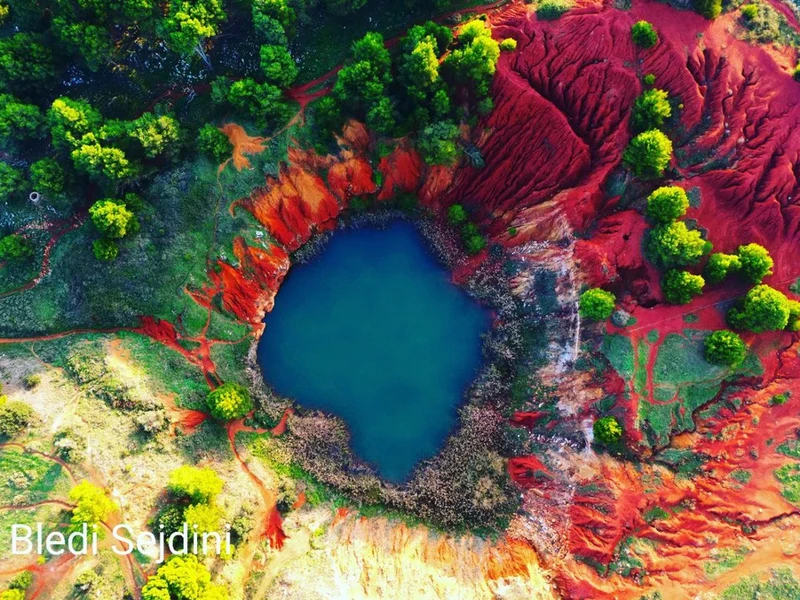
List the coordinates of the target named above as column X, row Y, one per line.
column 373, row 330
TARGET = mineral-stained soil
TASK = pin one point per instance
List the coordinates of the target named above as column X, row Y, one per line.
column 670, row 516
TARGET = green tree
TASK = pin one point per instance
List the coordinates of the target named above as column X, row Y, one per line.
column 195, row 484
column 12, row 595
column 183, row 578
column 794, row 316
column 262, row 101
column 113, row 219
column 382, row 116
column 607, row 430
column 650, row 110
column 268, row 12
column 69, row 120
column 755, row 261
column 105, row 249
column 206, row 517
column 726, row 348
column 278, row 65
column 710, row 9
column 674, row 245
column 474, row 62
column 680, row 287
column 597, row 304
column 362, row 82
column 721, row 265
column 25, row 63
column 456, row 214
column 442, row 36
column 270, row 31
column 11, row 181
column 18, row 120
column 14, row 417
column 15, row 247
column 644, row 34
column 48, row 177
column 91, row 42
column 667, row 204
column 550, row 10
column 437, row 143
column 22, row 581
column 189, row 22
column 648, row 154
column 213, row 143
column 92, row 505
column 474, row 242
column 508, row 45
column 763, row 309
column 157, row 135
column 229, row 401
column 101, row 162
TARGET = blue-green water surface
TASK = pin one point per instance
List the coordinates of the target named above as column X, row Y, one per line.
column 373, row 330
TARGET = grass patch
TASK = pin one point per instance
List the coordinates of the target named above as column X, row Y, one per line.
column 618, row 349
column 725, row 560
column 781, row 585
column 27, row 478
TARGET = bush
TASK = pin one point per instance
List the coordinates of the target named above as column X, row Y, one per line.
column 113, row 219
column 474, row 242
column 229, row 401
column 725, row 348
column 667, row 204
column 213, row 143
column 31, row 381
column 12, row 595
column 763, row 309
column 278, row 65
column 649, row 79
column 721, row 265
column 794, row 316
column 22, row 581
column 11, row 181
column 550, row 10
column 650, row 110
column 779, row 399
column 182, row 578
column 607, row 430
column 456, row 214
column 674, row 245
column 14, row 417
column 205, row 516
column 15, row 247
column 680, row 287
column 48, row 176
column 198, row 485
column 749, row 11
column 105, row 249
column 437, row 143
column 755, row 261
column 644, row 34
column 710, row 9
column 92, row 505
column 597, row 304
column 648, row 154
column 508, row 45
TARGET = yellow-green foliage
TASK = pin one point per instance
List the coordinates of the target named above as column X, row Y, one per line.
column 195, row 484
column 92, row 505
column 229, row 401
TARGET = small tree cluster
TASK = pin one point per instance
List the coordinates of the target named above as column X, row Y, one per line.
column 15, row 416
column 474, row 241
column 92, row 505
column 710, row 9
column 667, row 204
column 764, row 309
column 725, row 348
column 213, row 143
column 597, row 304
column 752, row 262
column 675, row 245
column 229, row 401
column 183, row 578
column 194, row 484
column 720, row 265
column 650, row 110
column 115, row 220
column 15, row 247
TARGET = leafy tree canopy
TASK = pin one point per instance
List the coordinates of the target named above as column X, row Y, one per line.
column 189, row 22
column 763, row 309
column 229, row 401
column 206, row 517
column 648, row 154
column 157, row 135
column 92, row 505
column 15, row 247
column 644, row 34
column 198, row 485
column 183, row 578
column 105, row 249
column 607, row 430
column 721, row 265
column 213, row 143
column 14, row 417
column 726, row 348
column 278, row 65
column 674, row 245
column 69, row 120
column 755, row 261
column 667, row 204
column 18, row 120
column 597, row 304
column 680, row 287
column 113, row 219
column 25, row 63
column 650, row 110
column 456, row 214
column 11, row 181
column 437, row 143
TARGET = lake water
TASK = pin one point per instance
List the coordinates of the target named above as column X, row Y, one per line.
column 373, row 331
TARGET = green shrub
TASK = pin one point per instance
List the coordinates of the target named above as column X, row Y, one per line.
column 749, row 11
column 680, row 287
column 648, row 154
column 48, row 176
column 763, row 309
column 456, row 214
column 597, row 304
column 195, row 484
column 11, row 181
column 105, row 249
column 755, row 261
column 779, row 399
column 22, row 581
column 113, row 219
column 437, row 143
column 15, row 247
column 725, row 348
column 183, row 578
column 92, row 505
column 206, row 517
column 794, row 316
column 607, row 430
column 550, row 10
column 508, row 45
column 710, row 9
column 213, row 143
column 674, row 245
column 721, row 265
column 650, row 110
column 667, row 204
column 649, row 79
column 14, row 417
column 644, row 34
column 229, row 401
column 474, row 242
column 33, row 380
column 12, row 595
